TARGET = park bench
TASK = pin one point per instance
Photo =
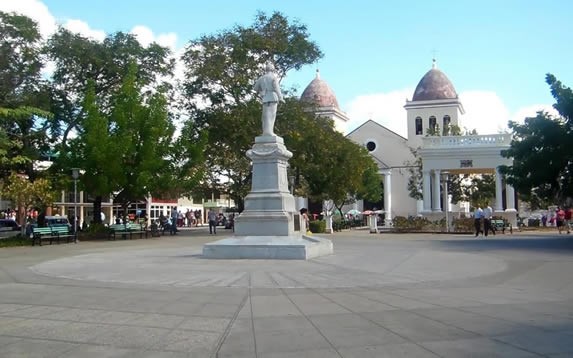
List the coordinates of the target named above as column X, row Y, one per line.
column 57, row 233
column 501, row 225
column 127, row 229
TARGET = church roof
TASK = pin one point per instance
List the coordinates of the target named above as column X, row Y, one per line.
column 434, row 85
column 319, row 93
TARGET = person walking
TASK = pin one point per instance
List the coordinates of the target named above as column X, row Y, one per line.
column 173, row 226
column 478, row 216
column 487, row 216
column 568, row 213
column 559, row 219
column 212, row 217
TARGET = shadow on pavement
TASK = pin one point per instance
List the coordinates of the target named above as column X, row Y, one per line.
column 562, row 244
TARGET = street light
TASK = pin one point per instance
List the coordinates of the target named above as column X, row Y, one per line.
column 75, row 176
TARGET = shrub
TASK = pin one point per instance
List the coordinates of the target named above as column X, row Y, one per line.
column 317, row 226
column 463, row 224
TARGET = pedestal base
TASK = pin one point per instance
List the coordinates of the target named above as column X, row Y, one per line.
column 294, row 247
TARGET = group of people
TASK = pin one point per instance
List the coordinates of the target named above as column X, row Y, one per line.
column 483, row 216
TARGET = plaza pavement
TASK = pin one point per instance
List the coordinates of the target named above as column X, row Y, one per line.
column 379, row 295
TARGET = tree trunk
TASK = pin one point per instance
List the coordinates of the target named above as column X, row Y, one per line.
column 97, row 209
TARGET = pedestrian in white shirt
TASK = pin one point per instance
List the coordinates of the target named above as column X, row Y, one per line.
column 478, row 217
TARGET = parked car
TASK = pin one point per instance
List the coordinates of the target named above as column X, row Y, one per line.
column 9, row 225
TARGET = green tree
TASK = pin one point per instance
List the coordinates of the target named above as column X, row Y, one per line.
column 26, row 194
column 542, row 154
column 24, row 97
column 103, row 66
column 129, row 154
column 78, row 60
column 218, row 89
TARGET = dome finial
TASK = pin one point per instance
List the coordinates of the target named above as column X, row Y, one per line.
column 317, row 73
column 434, row 65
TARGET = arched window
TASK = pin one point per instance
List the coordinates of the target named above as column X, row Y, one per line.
column 446, row 127
column 419, row 130
column 433, row 123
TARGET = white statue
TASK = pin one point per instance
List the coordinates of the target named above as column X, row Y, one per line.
column 267, row 87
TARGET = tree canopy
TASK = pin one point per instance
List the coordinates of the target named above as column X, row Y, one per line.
column 542, row 153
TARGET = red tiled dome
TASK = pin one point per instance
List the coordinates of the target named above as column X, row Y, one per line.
column 319, row 93
column 434, row 85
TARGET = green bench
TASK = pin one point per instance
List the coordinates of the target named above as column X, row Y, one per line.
column 501, row 225
column 127, row 229
column 51, row 232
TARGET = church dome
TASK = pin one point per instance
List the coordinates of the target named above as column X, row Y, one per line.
column 319, row 93
column 434, row 85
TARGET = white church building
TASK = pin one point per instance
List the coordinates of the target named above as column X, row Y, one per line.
column 434, row 105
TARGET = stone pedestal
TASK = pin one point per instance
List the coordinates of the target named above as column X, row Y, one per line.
column 269, row 207
column 265, row 229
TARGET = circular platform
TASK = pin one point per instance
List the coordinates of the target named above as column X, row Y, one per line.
column 378, row 264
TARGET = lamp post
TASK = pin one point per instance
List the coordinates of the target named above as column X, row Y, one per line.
column 75, row 176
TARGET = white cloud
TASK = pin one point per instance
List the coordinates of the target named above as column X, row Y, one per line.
column 35, row 10
column 384, row 108
column 484, row 111
column 531, row 111
column 145, row 36
column 82, row 28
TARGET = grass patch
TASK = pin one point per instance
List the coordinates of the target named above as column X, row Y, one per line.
column 14, row 241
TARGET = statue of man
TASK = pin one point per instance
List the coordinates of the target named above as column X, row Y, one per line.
column 267, row 87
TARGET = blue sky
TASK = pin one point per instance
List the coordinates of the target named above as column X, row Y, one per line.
column 496, row 53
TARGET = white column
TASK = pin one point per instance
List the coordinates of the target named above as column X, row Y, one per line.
column 388, row 197
column 498, row 191
column 509, row 198
column 446, row 200
column 426, row 190
column 436, row 196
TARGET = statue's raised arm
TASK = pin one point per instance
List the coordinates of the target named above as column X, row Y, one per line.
column 268, row 89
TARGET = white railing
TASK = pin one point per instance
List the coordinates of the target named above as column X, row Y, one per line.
column 467, row 141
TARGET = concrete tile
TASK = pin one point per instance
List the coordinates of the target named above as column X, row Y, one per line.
column 356, row 303
column 478, row 347
column 483, row 325
column 200, row 323
column 289, row 341
column 75, row 332
column 307, row 353
column 349, row 330
column 542, row 343
column 417, row 328
column 31, row 328
column 93, row 351
column 7, row 324
column 34, row 348
column 241, row 343
column 217, row 310
column 265, row 324
column 7, row 340
column 178, row 308
column 10, row 307
column 131, row 337
column 156, row 320
column 197, row 342
column 273, row 306
column 36, row 311
column 395, row 301
column 399, row 350
column 75, row 314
